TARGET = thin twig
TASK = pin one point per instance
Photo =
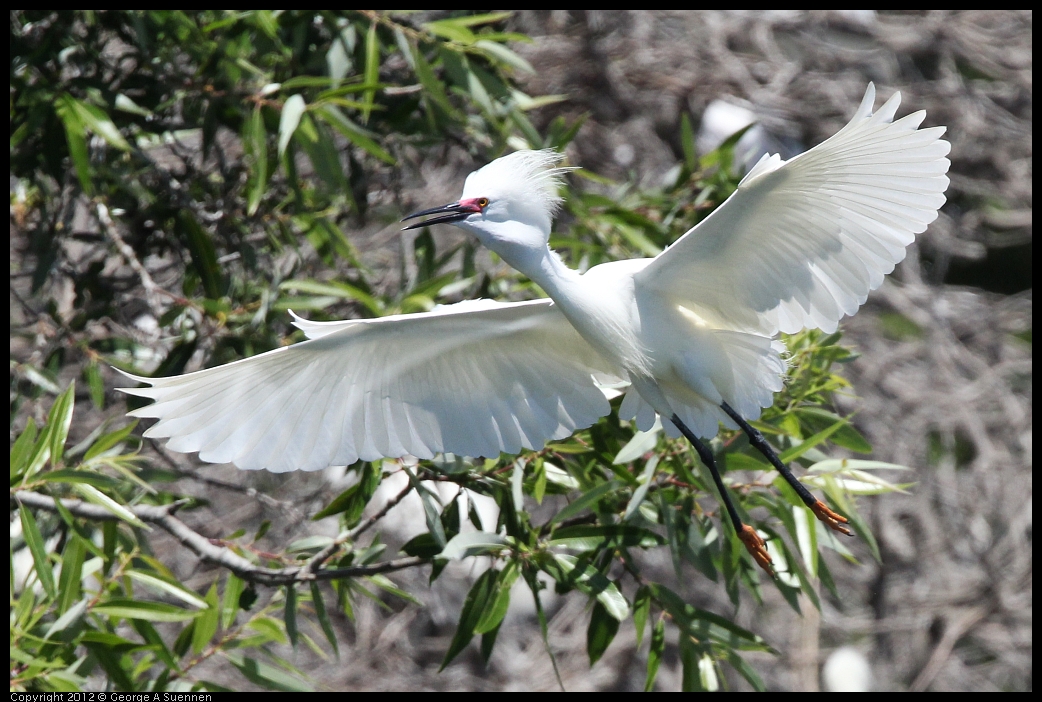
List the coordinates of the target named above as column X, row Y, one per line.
column 324, row 555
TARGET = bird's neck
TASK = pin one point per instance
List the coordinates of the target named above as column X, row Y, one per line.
column 545, row 268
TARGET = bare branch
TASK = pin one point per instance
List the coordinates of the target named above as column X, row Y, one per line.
column 205, row 549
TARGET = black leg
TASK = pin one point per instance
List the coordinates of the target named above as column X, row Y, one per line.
column 833, row 520
column 753, row 543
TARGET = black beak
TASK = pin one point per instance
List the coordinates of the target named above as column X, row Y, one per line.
column 453, row 212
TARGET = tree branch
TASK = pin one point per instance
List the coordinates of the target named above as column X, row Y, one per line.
column 205, row 549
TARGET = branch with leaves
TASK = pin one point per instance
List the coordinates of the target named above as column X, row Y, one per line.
column 164, row 517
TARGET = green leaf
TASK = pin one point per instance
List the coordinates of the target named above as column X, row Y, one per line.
column 600, row 633
column 451, row 29
column 352, row 502
column 95, row 384
column 517, row 477
column 168, row 586
column 291, row 614
column 149, row 611
column 95, row 496
column 59, row 419
column 69, row 582
column 77, row 143
column 472, row 543
column 233, row 590
column 477, row 20
column 22, row 448
column 646, row 478
column 372, row 71
column 474, row 604
column 433, row 89
column 335, row 289
column 338, row 58
column 658, row 647
column 641, row 443
column 335, row 118
column 203, row 254
column 256, row 140
column 38, row 548
column 292, row 111
column 422, row 546
column 107, row 441
column 323, row 155
column 807, row 444
column 641, row 610
column 266, row 676
column 206, row 624
column 323, row 617
column 430, row 510
column 587, row 579
column 385, row 584
column 504, row 55
column 72, row 615
column 746, row 671
column 587, row 537
column 846, row 436
column 499, row 601
column 586, row 501
column 705, row 625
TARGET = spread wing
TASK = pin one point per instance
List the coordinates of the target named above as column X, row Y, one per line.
column 801, row 242
column 475, row 379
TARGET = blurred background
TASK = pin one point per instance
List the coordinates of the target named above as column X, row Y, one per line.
column 943, row 382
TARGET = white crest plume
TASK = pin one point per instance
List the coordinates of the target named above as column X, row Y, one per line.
column 521, row 175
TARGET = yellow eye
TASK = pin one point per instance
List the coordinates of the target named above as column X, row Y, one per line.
column 483, row 202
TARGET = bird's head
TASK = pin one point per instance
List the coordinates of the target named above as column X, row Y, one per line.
column 508, row 204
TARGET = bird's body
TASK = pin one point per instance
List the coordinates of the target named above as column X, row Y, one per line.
column 692, row 331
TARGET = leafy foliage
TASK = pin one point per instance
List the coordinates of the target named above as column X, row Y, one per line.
column 214, row 142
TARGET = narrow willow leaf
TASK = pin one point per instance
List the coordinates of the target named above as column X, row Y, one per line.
column 92, row 494
column 175, row 589
column 267, row 676
column 230, row 604
column 22, row 448
column 658, row 646
column 473, row 605
column 206, row 624
column 499, row 601
column 600, row 633
column 59, row 419
column 290, row 120
column 76, row 140
column 149, row 611
column 641, row 610
column 586, row 501
column 291, row 614
column 641, row 443
column 256, row 138
column 517, row 478
column 472, row 543
column 38, row 548
column 645, row 480
column 323, row 617
column 372, row 71
column 810, row 442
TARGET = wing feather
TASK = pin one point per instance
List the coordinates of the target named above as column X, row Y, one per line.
column 802, row 242
column 474, row 379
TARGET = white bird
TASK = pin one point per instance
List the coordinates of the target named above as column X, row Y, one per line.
column 798, row 245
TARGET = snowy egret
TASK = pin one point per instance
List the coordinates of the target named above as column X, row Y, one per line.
column 798, row 245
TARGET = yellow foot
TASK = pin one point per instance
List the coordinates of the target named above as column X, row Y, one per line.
column 834, row 521
column 756, row 547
